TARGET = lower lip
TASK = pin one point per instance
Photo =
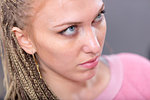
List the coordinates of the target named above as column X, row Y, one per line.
column 90, row 65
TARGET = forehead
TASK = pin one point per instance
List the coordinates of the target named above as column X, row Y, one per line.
column 58, row 10
column 65, row 3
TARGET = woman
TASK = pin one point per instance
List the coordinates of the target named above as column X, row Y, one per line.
column 52, row 51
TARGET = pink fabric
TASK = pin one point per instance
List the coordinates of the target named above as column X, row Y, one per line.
column 130, row 78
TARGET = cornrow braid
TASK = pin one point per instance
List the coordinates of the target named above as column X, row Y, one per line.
column 21, row 75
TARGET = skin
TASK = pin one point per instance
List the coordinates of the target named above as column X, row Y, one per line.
column 60, row 54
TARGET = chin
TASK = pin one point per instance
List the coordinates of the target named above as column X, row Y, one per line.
column 89, row 75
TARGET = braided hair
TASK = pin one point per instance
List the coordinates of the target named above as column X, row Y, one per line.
column 22, row 80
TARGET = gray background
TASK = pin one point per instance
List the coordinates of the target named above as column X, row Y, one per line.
column 128, row 24
column 128, row 30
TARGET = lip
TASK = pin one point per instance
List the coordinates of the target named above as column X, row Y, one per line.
column 91, row 63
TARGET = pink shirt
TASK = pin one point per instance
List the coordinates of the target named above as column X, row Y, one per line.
column 130, row 78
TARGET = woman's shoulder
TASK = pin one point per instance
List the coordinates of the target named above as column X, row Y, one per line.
column 136, row 78
column 128, row 59
column 131, row 59
column 130, row 64
column 135, row 67
column 130, row 77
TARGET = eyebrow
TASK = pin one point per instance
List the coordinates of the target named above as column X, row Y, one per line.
column 75, row 23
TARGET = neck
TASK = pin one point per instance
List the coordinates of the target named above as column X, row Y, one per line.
column 73, row 90
column 57, row 83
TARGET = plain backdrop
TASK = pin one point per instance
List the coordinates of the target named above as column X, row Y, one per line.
column 128, row 29
column 128, row 23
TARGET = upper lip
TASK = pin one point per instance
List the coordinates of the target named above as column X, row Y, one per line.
column 89, row 61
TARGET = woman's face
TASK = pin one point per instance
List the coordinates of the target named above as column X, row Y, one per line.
column 67, row 33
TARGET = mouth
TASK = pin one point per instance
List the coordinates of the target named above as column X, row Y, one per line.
column 92, row 63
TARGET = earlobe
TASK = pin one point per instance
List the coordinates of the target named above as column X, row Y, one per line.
column 24, row 40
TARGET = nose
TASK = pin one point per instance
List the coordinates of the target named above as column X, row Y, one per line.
column 91, row 43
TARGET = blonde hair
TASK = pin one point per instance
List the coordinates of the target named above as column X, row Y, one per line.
column 22, row 79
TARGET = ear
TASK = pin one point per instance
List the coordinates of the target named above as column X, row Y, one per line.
column 24, row 40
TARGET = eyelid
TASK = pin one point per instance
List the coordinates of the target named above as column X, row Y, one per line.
column 61, row 32
column 102, row 10
column 101, row 13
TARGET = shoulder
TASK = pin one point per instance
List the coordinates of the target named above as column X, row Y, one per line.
column 130, row 59
column 130, row 77
column 135, row 68
column 134, row 65
column 136, row 78
column 129, row 62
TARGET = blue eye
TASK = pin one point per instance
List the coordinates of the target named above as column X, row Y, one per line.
column 99, row 17
column 70, row 30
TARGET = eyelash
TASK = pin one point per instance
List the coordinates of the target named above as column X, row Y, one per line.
column 72, row 27
column 101, row 17
column 103, row 12
column 75, row 26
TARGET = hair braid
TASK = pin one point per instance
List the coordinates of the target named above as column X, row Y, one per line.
column 21, row 76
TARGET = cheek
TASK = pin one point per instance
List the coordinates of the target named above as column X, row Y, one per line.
column 55, row 52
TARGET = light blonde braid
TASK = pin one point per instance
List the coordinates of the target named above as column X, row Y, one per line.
column 21, row 75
